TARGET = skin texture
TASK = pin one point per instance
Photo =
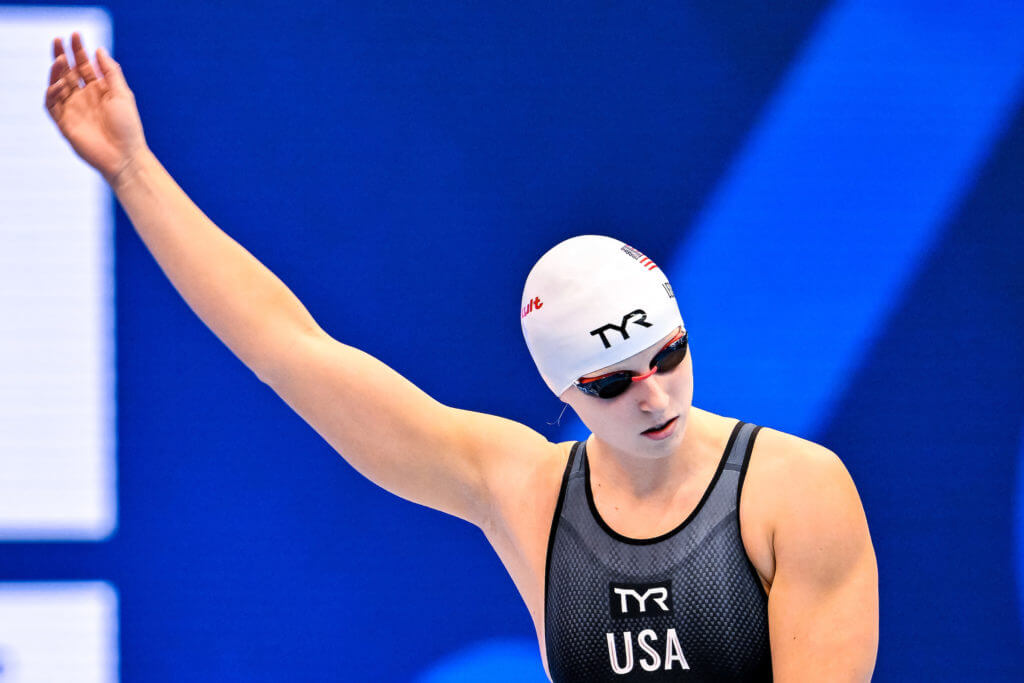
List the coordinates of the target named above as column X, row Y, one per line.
column 801, row 519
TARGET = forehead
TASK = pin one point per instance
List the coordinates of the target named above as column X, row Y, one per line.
column 638, row 361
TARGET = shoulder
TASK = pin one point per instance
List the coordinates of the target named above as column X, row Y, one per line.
column 799, row 473
column 807, row 498
column 522, row 469
column 788, row 458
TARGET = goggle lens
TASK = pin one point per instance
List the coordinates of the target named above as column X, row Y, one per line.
column 615, row 383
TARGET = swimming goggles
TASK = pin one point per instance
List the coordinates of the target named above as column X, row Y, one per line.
column 615, row 383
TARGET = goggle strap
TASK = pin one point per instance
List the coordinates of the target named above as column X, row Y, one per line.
column 641, row 378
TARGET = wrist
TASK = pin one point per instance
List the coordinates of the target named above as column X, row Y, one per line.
column 130, row 169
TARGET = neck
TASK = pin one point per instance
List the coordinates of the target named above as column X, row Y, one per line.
column 652, row 477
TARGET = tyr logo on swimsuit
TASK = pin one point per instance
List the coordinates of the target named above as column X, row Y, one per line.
column 643, row 600
column 639, row 599
column 641, row 320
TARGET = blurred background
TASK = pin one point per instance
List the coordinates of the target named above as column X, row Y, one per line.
column 833, row 187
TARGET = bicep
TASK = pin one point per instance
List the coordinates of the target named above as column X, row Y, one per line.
column 392, row 432
column 823, row 604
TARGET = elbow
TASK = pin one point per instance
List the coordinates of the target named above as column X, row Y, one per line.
column 274, row 357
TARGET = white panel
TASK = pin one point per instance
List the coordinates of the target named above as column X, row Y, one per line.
column 57, row 632
column 57, row 403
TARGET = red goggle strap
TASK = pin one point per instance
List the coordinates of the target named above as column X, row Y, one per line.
column 641, row 378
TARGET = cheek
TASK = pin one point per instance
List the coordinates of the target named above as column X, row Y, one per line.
column 595, row 415
column 681, row 383
column 599, row 416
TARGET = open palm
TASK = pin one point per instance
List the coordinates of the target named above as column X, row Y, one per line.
column 95, row 112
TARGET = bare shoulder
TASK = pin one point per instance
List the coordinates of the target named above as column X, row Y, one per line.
column 797, row 496
column 521, row 469
column 787, row 449
column 796, row 477
column 788, row 464
column 531, row 479
column 815, row 504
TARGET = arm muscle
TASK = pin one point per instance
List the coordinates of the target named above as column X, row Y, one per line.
column 823, row 605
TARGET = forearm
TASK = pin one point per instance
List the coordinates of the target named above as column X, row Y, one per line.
column 242, row 301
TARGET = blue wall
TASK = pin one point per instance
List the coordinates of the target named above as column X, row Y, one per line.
column 842, row 178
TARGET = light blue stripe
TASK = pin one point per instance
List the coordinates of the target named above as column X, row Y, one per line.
column 859, row 160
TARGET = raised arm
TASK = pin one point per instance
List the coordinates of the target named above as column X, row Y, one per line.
column 384, row 426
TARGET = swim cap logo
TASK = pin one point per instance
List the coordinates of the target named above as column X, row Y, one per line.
column 621, row 329
column 534, row 304
column 637, row 256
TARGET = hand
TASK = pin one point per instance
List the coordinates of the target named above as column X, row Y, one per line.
column 97, row 114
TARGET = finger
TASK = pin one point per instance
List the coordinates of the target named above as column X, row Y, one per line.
column 86, row 71
column 70, row 76
column 111, row 70
column 59, row 68
column 82, row 63
column 57, row 95
column 77, row 48
column 63, row 90
column 55, row 99
column 71, row 80
column 58, row 47
column 69, row 84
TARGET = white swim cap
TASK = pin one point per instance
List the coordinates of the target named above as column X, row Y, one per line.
column 591, row 302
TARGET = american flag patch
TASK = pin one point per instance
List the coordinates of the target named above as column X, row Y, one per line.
column 638, row 257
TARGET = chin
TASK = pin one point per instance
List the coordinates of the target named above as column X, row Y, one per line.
column 658, row 448
column 672, row 438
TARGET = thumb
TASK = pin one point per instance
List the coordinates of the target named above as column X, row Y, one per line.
column 111, row 71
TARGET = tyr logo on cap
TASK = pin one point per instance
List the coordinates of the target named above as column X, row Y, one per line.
column 621, row 329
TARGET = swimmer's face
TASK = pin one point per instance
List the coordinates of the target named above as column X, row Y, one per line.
column 629, row 422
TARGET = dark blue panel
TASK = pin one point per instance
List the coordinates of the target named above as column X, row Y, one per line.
column 932, row 424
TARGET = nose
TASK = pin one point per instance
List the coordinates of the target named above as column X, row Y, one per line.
column 651, row 396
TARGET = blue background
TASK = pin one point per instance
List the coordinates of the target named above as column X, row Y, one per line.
column 835, row 189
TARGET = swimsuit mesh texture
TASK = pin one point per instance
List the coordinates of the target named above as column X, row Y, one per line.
column 715, row 602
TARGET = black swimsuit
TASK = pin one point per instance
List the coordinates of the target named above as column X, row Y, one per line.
column 685, row 606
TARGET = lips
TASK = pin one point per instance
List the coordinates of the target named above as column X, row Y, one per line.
column 661, row 427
